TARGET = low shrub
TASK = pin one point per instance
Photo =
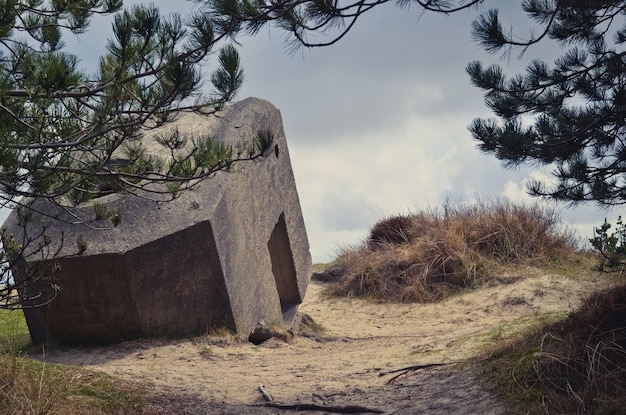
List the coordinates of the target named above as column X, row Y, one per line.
column 611, row 246
column 428, row 255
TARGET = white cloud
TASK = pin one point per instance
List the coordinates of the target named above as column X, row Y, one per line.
column 345, row 188
column 518, row 191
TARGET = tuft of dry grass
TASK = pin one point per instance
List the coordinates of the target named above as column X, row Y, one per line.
column 32, row 387
column 220, row 336
column 574, row 366
column 428, row 255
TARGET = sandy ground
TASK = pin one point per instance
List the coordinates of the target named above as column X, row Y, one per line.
column 350, row 364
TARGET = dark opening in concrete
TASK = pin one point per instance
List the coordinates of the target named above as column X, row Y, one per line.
column 284, row 269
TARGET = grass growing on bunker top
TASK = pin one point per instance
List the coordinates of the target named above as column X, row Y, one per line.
column 429, row 255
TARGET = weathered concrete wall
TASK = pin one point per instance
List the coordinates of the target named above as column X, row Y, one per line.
column 232, row 252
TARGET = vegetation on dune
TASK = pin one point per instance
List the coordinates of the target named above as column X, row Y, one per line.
column 574, row 366
column 428, row 255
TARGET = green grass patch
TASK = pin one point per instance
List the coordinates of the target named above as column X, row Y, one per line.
column 14, row 335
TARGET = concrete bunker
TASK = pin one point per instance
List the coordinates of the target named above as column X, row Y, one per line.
column 232, row 253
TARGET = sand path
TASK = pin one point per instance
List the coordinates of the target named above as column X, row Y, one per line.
column 349, row 364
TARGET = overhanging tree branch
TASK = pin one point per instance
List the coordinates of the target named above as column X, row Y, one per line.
column 68, row 136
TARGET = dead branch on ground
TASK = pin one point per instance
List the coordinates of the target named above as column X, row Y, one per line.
column 405, row 370
column 348, row 409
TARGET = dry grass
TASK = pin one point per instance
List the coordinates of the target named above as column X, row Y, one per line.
column 32, row 387
column 428, row 255
column 220, row 336
column 574, row 366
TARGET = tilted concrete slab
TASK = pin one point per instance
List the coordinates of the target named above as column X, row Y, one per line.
column 233, row 252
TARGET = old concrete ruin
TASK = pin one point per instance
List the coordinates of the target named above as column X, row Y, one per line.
column 231, row 253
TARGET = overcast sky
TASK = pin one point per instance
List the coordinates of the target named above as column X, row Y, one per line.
column 377, row 124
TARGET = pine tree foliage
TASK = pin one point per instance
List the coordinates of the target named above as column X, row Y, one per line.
column 310, row 23
column 69, row 136
column 64, row 132
column 570, row 114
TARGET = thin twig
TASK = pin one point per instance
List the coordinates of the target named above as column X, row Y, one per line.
column 403, row 371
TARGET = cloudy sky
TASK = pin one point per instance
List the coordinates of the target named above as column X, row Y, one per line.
column 377, row 124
